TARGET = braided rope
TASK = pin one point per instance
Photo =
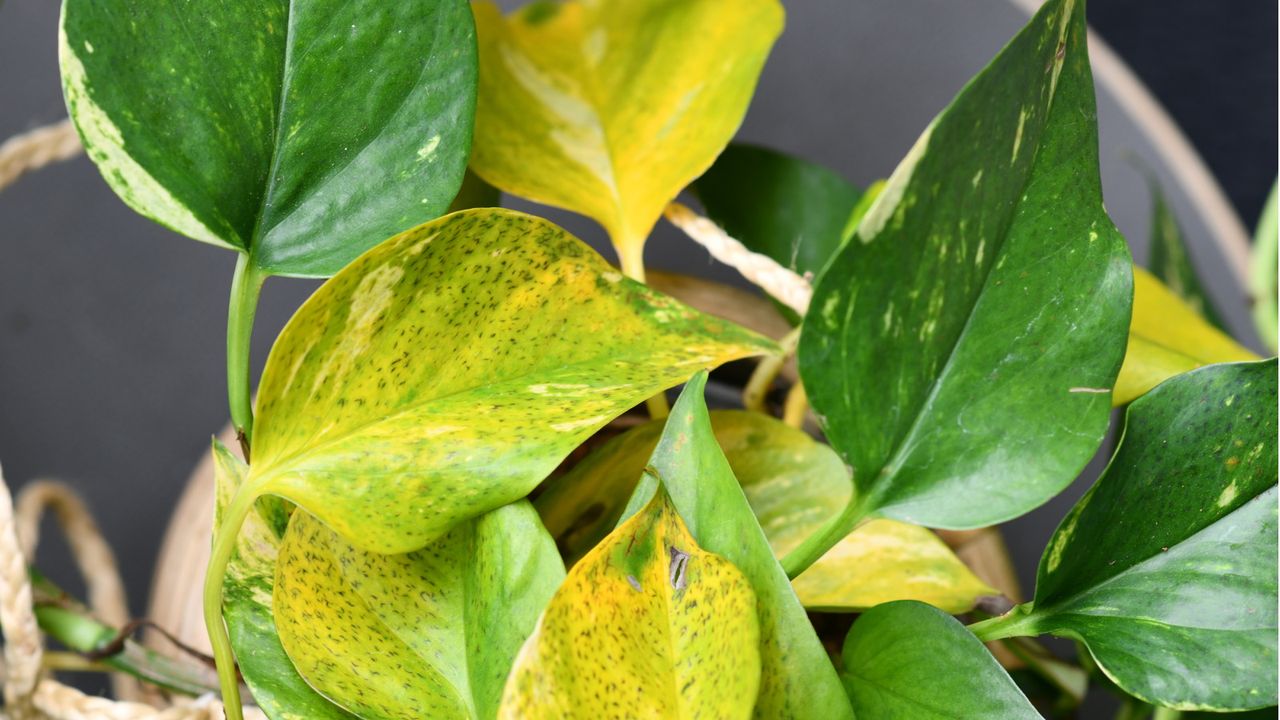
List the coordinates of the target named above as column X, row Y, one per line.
column 27, row 696
column 35, row 149
column 788, row 287
column 90, row 550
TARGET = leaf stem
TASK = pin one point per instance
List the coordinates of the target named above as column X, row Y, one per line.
column 825, row 538
column 796, row 407
column 766, row 372
column 1018, row 622
column 246, row 285
column 224, row 545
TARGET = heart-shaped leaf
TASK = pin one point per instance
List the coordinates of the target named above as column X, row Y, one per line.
column 911, row 661
column 609, row 108
column 298, row 132
column 1166, row 569
column 790, row 209
column 961, row 348
column 432, row 633
column 793, row 485
column 797, row 679
column 448, row 371
column 1167, row 337
column 648, row 625
column 250, row 580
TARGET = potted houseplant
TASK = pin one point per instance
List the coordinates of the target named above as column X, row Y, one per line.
column 398, row 533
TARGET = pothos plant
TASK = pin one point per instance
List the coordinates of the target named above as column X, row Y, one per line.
column 974, row 319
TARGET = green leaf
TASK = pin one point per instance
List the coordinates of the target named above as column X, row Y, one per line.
column 648, row 625
column 299, row 132
column 906, row 660
column 793, row 484
column 1166, row 338
column 432, row 633
column 789, row 209
column 1170, row 261
column 449, row 370
column 1263, row 275
column 797, row 678
column 277, row 687
column 610, row 108
column 961, row 348
column 1166, row 569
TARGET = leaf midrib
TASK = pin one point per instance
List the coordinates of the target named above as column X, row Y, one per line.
column 1062, row 607
column 905, row 443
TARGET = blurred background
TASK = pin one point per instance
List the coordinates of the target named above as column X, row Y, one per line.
column 112, row 328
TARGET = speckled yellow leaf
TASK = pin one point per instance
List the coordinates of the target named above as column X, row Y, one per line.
column 793, row 484
column 427, row 634
column 277, row 688
column 1166, row 338
column 611, row 107
column 447, row 371
column 647, row 625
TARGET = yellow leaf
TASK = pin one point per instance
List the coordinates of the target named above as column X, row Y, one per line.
column 647, row 625
column 794, row 485
column 1166, row 338
column 610, row 107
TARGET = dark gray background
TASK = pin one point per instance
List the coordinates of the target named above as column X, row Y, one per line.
column 111, row 328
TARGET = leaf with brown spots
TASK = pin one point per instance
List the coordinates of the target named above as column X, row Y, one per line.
column 793, row 484
column 610, row 108
column 1166, row 568
column 276, row 686
column 647, row 625
column 449, row 370
column 431, row 633
column 1167, row 337
column 797, row 679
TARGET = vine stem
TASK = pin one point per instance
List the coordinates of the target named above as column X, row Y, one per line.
column 246, row 286
column 224, row 545
column 825, row 538
column 766, row 372
column 631, row 260
column 1018, row 622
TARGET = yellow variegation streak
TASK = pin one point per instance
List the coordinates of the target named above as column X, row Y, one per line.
column 610, row 107
column 1167, row 338
column 647, row 625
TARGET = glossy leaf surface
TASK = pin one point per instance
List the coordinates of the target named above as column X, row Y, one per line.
column 1166, row 569
column 432, row 633
column 797, row 679
column 790, row 209
column 793, row 485
column 961, row 348
column 908, row 661
column 448, row 371
column 300, row 132
column 1167, row 337
column 277, row 687
column 648, row 625
column 610, row 108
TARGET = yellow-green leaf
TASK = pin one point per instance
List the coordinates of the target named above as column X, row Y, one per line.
column 427, row 634
column 610, row 107
column 794, row 485
column 277, row 688
column 1167, row 338
column 647, row 625
column 447, row 371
